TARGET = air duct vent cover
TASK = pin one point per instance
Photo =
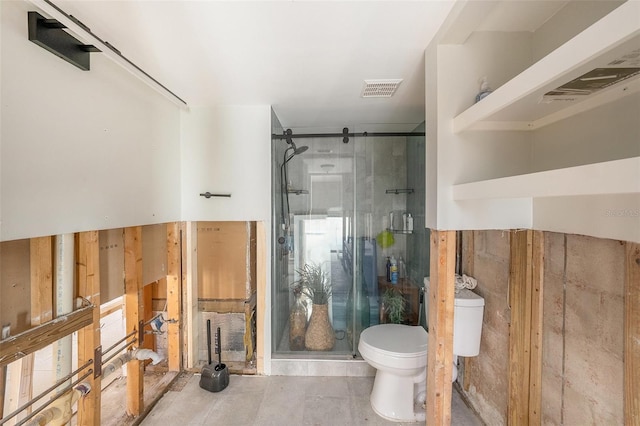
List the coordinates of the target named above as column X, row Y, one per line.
column 380, row 88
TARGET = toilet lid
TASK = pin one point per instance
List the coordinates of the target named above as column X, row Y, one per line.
column 401, row 340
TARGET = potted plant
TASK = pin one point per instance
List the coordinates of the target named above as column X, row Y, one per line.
column 315, row 284
column 393, row 306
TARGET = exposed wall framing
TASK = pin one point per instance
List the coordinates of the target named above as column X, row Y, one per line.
column 632, row 335
column 134, row 311
column 174, row 296
column 440, row 344
column 88, row 282
column 262, row 292
column 525, row 334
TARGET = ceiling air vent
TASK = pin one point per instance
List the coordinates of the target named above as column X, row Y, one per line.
column 380, row 88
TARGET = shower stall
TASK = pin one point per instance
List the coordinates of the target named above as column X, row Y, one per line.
column 341, row 203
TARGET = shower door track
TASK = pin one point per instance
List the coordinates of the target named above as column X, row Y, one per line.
column 337, row 135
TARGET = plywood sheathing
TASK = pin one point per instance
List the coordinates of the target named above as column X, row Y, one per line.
column 224, row 260
column 487, row 375
column 111, row 264
column 583, row 331
column 440, row 344
column 154, row 250
column 15, row 287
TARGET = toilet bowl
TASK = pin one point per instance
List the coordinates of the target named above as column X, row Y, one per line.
column 399, row 354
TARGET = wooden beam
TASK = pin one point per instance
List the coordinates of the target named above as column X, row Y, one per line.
column 134, row 311
column 520, row 326
column 440, row 345
column 261, row 294
column 523, row 302
column 632, row 335
column 537, row 302
column 41, row 283
column 88, row 281
column 29, row 341
column 3, row 382
column 174, row 296
column 468, row 264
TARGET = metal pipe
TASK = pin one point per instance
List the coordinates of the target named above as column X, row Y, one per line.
column 115, row 354
column 340, row 135
column 46, row 392
column 62, row 392
column 153, row 319
column 64, row 280
column 119, row 341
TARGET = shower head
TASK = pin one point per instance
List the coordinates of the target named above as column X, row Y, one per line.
column 288, row 133
column 300, row 150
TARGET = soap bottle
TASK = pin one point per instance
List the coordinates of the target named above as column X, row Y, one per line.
column 409, row 222
column 394, row 271
column 388, row 269
column 402, row 270
column 484, row 89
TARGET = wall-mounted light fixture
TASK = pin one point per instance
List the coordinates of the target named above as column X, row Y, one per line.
column 65, row 36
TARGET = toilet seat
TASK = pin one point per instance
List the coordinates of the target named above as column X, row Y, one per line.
column 397, row 340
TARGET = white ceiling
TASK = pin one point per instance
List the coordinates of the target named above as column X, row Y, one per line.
column 307, row 59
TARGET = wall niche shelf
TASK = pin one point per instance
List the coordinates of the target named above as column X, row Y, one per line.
column 518, row 104
column 610, row 177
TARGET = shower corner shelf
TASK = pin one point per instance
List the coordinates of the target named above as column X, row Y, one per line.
column 297, row 191
column 400, row 191
column 400, row 231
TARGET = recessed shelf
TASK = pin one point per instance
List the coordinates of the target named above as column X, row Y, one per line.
column 517, row 105
column 610, row 177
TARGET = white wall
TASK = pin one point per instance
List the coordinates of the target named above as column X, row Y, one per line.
column 469, row 157
column 81, row 150
column 227, row 150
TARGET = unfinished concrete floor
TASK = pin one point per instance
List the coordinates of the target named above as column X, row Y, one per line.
column 281, row 401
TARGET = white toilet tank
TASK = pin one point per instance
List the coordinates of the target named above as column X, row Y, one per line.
column 467, row 320
column 467, row 323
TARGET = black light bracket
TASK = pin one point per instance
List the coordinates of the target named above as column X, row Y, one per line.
column 50, row 35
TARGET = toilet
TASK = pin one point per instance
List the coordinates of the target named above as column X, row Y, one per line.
column 399, row 355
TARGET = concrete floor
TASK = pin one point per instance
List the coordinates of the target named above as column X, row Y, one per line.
column 281, row 401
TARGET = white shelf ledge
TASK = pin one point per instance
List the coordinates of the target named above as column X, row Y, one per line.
column 611, row 177
column 516, row 104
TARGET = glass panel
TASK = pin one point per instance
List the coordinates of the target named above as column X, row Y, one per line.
column 315, row 202
column 341, row 209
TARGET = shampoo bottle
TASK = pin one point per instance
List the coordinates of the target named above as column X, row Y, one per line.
column 394, row 271
column 409, row 222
